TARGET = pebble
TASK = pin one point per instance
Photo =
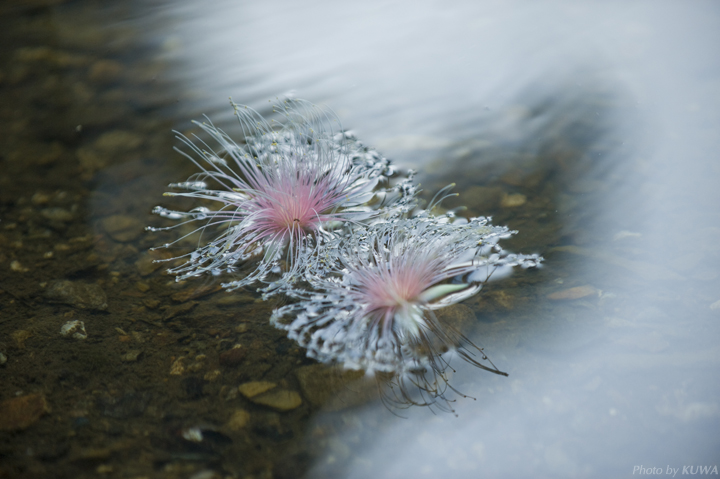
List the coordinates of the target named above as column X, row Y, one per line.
column 57, row 214
column 74, row 329
column 3, row 359
column 151, row 303
column 77, row 294
column 178, row 366
column 131, row 356
column 20, row 336
column 234, row 356
column 21, row 412
column 16, row 266
column 122, row 228
column 40, row 198
column 512, row 201
column 255, row 388
column 279, row 399
column 192, row 293
column 104, row 469
column 235, row 299
column 238, row 420
column 178, row 310
column 574, row 293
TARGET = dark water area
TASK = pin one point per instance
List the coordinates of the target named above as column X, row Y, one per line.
column 592, row 129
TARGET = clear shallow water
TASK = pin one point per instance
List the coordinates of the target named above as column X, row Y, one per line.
column 603, row 117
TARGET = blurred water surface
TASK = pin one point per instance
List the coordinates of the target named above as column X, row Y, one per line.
column 592, row 128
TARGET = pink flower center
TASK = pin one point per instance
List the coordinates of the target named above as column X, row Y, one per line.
column 294, row 210
column 386, row 291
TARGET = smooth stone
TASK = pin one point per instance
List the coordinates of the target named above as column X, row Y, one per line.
column 131, row 356
column 233, row 357
column 21, row 412
column 238, row 420
column 77, row 294
column 574, row 293
column 235, row 299
column 20, row 336
column 255, row 388
column 179, row 310
column 279, row 399
column 17, row 266
column 57, row 214
column 512, row 201
column 192, row 293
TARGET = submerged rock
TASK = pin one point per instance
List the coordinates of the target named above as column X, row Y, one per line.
column 513, row 200
column 77, row 294
column 574, row 293
column 57, row 214
column 74, row 329
column 238, row 420
column 21, row 412
column 267, row 394
column 255, row 388
column 279, row 399
column 234, row 356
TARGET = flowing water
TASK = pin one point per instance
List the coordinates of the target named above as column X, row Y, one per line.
column 591, row 128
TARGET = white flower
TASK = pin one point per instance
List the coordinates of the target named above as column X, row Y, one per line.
column 287, row 182
column 372, row 308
